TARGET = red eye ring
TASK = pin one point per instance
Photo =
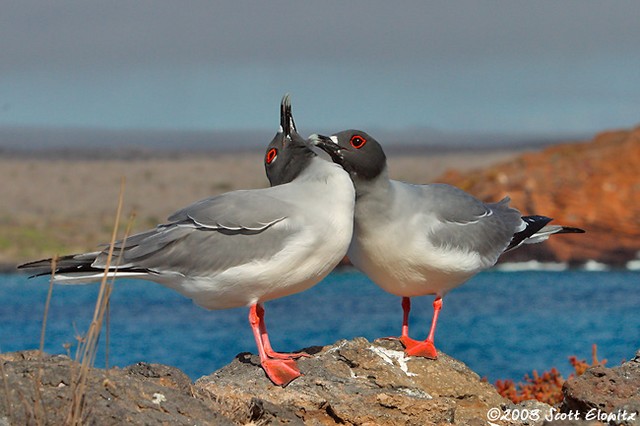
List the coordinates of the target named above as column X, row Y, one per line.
column 357, row 141
column 271, row 155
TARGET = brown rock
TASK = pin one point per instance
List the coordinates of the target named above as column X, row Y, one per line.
column 363, row 383
column 38, row 391
column 351, row 382
column 592, row 185
column 606, row 391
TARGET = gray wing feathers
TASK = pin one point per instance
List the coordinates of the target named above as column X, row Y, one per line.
column 236, row 210
column 198, row 251
column 450, row 204
column 463, row 222
column 128, row 253
column 208, row 236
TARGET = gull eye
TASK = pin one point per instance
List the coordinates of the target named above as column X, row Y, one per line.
column 357, row 141
column 271, row 155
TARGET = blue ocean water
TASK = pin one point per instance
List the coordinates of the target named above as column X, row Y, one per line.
column 501, row 324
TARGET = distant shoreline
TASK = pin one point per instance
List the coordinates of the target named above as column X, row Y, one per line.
column 63, row 200
column 131, row 153
column 8, row 268
column 92, row 144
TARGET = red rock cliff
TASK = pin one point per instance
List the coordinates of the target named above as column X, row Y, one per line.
column 593, row 185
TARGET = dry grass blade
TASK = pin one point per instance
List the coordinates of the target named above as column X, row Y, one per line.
column 39, row 412
column 127, row 232
column 89, row 346
column 54, row 263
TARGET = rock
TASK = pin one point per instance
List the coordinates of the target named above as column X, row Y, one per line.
column 606, row 392
column 350, row 382
column 353, row 382
column 140, row 394
column 358, row 382
column 592, row 185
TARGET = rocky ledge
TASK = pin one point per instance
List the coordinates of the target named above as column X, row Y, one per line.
column 351, row 382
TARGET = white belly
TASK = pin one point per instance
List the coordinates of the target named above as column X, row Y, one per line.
column 411, row 268
column 292, row 271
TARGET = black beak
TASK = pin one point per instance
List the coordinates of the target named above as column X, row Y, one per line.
column 328, row 145
column 286, row 117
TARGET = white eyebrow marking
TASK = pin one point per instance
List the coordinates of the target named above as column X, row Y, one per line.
column 334, row 139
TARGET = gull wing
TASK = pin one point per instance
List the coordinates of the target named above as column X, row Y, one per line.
column 211, row 235
column 456, row 220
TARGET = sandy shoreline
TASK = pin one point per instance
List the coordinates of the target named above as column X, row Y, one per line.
column 58, row 206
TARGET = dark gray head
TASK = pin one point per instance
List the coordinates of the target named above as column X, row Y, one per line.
column 357, row 152
column 288, row 154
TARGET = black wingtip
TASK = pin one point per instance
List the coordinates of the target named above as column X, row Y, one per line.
column 534, row 224
column 35, row 264
column 38, row 268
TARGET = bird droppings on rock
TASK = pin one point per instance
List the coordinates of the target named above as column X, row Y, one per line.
column 390, row 356
column 158, row 398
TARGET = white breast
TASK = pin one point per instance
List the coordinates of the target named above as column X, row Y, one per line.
column 390, row 245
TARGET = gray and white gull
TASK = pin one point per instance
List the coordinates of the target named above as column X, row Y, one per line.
column 415, row 240
column 245, row 247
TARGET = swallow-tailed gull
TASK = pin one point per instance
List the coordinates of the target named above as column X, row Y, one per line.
column 415, row 240
column 245, row 247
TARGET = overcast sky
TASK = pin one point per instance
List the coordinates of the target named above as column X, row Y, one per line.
column 529, row 67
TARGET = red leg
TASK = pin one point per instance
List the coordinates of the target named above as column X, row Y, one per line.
column 267, row 344
column 407, row 341
column 413, row 347
column 280, row 371
column 437, row 306
column 406, row 308
column 404, row 335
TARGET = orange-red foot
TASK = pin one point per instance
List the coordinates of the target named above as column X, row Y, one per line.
column 423, row 348
column 281, row 371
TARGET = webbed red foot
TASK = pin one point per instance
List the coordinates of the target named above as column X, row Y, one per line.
column 422, row 348
column 281, row 371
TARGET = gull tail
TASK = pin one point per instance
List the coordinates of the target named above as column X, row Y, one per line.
column 537, row 230
column 78, row 269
